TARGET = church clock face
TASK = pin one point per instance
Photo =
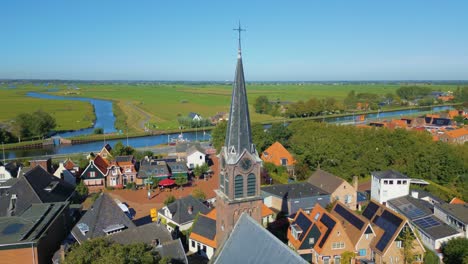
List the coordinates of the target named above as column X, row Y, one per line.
column 246, row 163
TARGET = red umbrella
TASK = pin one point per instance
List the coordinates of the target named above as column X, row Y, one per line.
column 166, row 182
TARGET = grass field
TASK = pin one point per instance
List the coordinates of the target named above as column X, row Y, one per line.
column 69, row 116
column 161, row 105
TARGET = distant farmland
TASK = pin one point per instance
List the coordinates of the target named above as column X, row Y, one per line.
column 161, row 105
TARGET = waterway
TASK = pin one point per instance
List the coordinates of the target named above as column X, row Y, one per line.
column 139, row 142
column 105, row 118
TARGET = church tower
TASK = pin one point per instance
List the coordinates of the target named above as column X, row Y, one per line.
column 239, row 177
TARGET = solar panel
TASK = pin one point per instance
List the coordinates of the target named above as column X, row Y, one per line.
column 329, row 223
column 427, row 222
column 389, row 223
column 411, row 211
column 303, row 222
column 348, row 216
column 370, row 210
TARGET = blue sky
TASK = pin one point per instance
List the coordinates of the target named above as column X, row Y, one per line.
column 193, row 40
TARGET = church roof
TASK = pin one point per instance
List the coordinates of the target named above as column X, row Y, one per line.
column 238, row 134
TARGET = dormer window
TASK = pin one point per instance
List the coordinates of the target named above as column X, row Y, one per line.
column 284, row 161
column 296, row 231
column 83, row 228
column 113, row 229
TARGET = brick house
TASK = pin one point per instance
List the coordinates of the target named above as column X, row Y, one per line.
column 280, row 156
column 339, row 189
column 457, row 136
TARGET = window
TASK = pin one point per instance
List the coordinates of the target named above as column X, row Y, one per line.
column 398, row 182
column 367, row 236
column 348, row 198
column 204, row 248
column 2, row 176
column 92, row 174
column 404, row 182
column 238, row 186
column 316, row 216
column 362, row 252
column 311, row 241
column 337, row 259
column 326, row 260
column 221, row 181
column 337, row 245
column 398, row 244
column 390, row 182
column 385, row 182
column 201, row 157
column 251, row 184
column 284, row 161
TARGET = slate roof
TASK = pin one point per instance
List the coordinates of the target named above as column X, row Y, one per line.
column 155, row 168
column 249, row 242
column 120, row 159
column 31, row 224
column 206, row 228
column 179, row 209
column 389, row 174
column 36, row 186
column 103, row 213
column 459, row 211
column 194, row 148
column 174, row 250
column 294, row 190
column 142, row 234
column 12, row 167
column 238, row 131
column 176, row 167
column 325, row 180
column 407, row 205
column 193, row 115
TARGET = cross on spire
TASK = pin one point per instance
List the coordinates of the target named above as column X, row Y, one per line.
column 239, row 30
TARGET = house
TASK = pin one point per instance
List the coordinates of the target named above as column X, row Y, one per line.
column 218, row 117
column 456, row 136
column 456, row 200
column 455, row 215
column 64, row 174
column 202, row 240
column 155, row 235
column 121, row 171
column 33, row 235
column 280, row 156
column 178, row 169
column 181, row 213
column 105, row 152
column 94, row 175
column 71, row 167
column 249, row 242
column 9, row 170
column 195, row 156
column 102, row 219
column 339, row 189
column 318, row 236
column 433, row 232
column 389, row 184
column 154, row 168
column 194, row 116
column 35, row 186
column 289, row 198
column 389, row 227
column 46, row 164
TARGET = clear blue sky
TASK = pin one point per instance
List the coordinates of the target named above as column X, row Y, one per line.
column 193, row 39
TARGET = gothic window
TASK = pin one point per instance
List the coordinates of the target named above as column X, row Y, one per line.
column 221, row 180
column 238, row 186
column 226, row 185
column 251, row 184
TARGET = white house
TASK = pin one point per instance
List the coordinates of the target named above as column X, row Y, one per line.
column 64, row 174
column 8, row 171
column 202, row 240
column 455, row 215
column 195, row 156
column 181, row 213
column 195, row 116
column 387, row 185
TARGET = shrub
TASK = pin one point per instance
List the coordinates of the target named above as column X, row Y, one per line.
column 170, row 199
column 130, row 186
column 110, row 188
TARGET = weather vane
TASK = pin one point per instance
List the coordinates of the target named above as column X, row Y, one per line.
column 239, row 29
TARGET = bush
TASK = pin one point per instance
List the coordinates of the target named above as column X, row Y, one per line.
column 170, row 199
column 199, row 194
column 130, row 186
column 98, row 130
column 81, row 189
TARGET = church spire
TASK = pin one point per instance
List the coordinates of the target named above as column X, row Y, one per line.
column 238, row 134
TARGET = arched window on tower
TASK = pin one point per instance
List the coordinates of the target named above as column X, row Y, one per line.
column 221, row 181
column 251, row 184
column 238, row 186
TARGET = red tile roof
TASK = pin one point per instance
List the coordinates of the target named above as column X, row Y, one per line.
column 275, row 153
column 457, row 201
column 101, row 163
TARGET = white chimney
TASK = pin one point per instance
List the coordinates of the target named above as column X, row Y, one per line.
column 415, row 194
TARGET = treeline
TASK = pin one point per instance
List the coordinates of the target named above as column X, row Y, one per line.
column 190, row 123
column 35, row 125
column 315, row 107
column 347, row 151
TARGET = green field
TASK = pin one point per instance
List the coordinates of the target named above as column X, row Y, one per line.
column 69, row 116
column 161, row 105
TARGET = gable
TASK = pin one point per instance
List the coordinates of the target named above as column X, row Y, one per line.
column 92, row 168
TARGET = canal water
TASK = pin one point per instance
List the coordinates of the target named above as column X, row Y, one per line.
column 105, row 118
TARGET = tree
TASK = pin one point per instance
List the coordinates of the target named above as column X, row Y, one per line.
column 98, row 130
column 347, row 256
column 81, row 189
column 218, row 135
column 37, row 124
column 101, row 250
column 6, row 136
column 169, row 199
column 430, row 257
column 407, row 238
column 262, row 105
column 120, row 150
column 181, row 181
column 199, row 194
column 200, row 170
column 455, row 251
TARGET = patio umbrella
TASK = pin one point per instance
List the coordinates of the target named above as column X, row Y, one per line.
column 166, row 182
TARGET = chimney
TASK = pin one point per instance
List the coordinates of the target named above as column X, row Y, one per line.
column 355, row 182
column 415, row 194
column 190, row 209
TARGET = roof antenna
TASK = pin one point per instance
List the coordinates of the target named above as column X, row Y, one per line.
column 239, row 29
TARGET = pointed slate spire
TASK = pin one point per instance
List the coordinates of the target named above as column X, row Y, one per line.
column 238, row 134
